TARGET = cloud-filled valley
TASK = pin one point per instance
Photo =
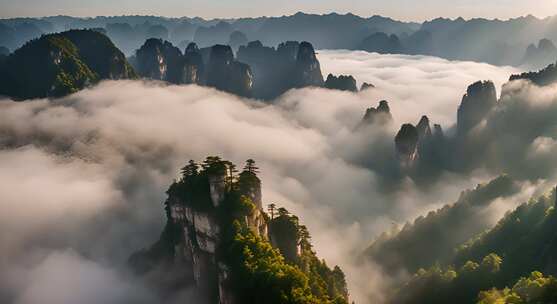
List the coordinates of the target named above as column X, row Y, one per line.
column 83, row 177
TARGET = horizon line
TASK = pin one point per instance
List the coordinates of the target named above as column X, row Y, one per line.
column 282, row 16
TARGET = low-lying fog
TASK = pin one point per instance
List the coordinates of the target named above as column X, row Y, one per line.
column 83, row 178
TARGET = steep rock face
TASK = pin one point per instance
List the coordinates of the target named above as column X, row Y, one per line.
column 288, row 50
column 267, row 67
column 217, row 241
column 424, row 130
column 159, row 60
column 342, row 82
column 100, row 54
column 59, row 64
column 194, row 68
column 380, row 115
column 224, row 73
column 308, row 69
column 290, row 65
column 479, row 100
column 406, row 144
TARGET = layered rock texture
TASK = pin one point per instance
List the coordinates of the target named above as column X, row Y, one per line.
column 59, row 64
column 219, row 241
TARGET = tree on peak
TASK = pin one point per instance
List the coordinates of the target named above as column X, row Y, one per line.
column 305, row 238
column 250, row 166
column 191, row 169
column 231, row 173
column 214, row 165
column 283, row 212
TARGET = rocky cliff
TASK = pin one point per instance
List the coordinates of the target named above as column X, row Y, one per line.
column 380, row 115
column 290, row 65
column 193, row 70
column 159, row 60
column 544, row 77
column 479, row 100
column 220, row 241
column 308, row 69
column 341, row 82
column 227, row 74
column 406, row 144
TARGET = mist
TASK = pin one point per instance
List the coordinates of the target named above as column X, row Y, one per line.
column 83, row 177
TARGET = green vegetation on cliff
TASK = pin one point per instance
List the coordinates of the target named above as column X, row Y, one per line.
column 432, row 238
column 55, row 65
column 512, row 253
column 265, row 259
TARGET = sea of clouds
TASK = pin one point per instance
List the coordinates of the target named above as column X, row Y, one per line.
column 83, row 178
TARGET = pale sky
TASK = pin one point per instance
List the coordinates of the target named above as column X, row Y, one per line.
column 409, row 10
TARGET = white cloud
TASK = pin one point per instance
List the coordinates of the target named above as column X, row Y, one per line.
column 89, row 171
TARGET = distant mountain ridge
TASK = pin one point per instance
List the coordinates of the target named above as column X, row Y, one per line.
column 499, row 42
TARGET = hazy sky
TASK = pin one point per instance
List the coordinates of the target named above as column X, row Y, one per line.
column 416, row 10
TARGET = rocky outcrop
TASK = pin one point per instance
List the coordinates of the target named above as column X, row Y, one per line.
column 159, row 60
column 59, row 64
column 479, row 100
column 275, row 71
column 406, row 144
column 543, row 77
column 212, row 214
column 342, row 83
column 100, row 54
column 380, row 115
column 308, row 69
column 366, row 86
column 438, row 131
column 267, row 67
column 424, row 130
column 193, row 67
column 541, row 55
column 227, row 74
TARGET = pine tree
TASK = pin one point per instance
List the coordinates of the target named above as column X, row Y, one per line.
column 191, row 169
column 250, row 166
column 231, row 174
column 272, row 207
column 305, row 238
